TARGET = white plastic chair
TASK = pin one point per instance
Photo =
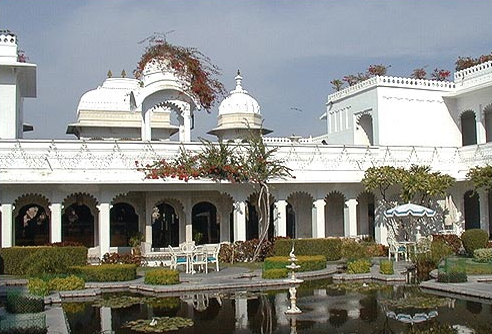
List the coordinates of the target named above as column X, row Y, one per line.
column 199, row 259
column 212, row 253
column 396, row 249
column 178, row 258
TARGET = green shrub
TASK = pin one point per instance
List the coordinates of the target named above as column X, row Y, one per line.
column 474, row 239
column 455, row 275
column 67, row 283
column 360, row 266
column 38, row 287
column 482, row 255
column 452, row 240
column 275, row 273
column 19, row 303
column 329, row 247
column 306, row 263
column 107, row 272
column 35, row 261
column 162, row 277
column 243, row 251
column 386, row 267
column 353, row 250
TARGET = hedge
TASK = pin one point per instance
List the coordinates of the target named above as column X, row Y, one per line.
column 107, row 272
column 360, row 266
column 474, row 239
column 329, row 247
column 162, row 276
column 275, row 273
column 306, row 263
column 35, row 261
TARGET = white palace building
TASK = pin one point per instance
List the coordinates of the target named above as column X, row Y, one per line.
column 89, row 190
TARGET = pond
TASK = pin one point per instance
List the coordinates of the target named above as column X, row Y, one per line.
column 326, row 308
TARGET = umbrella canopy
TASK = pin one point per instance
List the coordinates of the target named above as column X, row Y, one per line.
column 410, row 209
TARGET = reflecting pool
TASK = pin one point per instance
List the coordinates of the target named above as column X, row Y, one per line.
column 326, row 307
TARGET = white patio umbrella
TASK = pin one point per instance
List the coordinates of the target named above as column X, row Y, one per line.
column 409, row 209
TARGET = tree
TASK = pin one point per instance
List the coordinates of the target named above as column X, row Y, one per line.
column 189, row 64
column 481, row 177
column 252, row 163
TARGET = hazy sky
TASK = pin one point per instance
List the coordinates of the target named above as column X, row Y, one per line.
column 287, row 51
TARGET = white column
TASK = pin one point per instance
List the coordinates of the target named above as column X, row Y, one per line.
column 185, row 126
column 319, row 226
column 280, row 218
column 350, row 218
column 106, row 321
column 146, row 131
column 104, row 228
column 241, row 310
column 240, row 221
column 188, row 224
column 480, row 119
column 56, row 222
column 7, row 225
column 484, row 210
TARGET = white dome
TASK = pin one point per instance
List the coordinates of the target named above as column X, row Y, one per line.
column 239, row 101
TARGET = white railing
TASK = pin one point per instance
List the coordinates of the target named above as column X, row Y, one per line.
column 389, row 81
column 99, row 161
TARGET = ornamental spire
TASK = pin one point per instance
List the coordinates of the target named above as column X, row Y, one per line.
column 239, row 78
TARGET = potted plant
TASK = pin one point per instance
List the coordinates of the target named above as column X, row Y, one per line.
column 135, row 242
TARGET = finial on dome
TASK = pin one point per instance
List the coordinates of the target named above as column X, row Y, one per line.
column 239, row 79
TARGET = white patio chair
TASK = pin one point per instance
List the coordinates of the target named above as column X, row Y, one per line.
column 178, row 258
column 396, row 249
column 199, row 259
column 212, row 251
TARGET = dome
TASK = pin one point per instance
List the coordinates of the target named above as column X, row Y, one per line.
column 239, row 101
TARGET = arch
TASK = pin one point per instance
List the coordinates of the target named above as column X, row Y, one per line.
column 206, row 227
column 123, row 224
column 468, row 128
column 335, row 214
column 32, row 225
column 366, row 214
column 31, row 198
column 299, row 218
column 364, row 130
column 252, row 218
column 165, row 225
column 487, row 123
column 78, row 224
column 472, row 210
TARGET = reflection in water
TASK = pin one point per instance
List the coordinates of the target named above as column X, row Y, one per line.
column 327, row 308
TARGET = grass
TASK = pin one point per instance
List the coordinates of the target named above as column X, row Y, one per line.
column 470, row 267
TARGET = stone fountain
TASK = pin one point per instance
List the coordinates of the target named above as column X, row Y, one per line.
column 293, row 281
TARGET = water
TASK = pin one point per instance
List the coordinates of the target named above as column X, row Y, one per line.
column 327, row 308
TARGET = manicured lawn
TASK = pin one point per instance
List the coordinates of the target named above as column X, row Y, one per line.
column 471, row 267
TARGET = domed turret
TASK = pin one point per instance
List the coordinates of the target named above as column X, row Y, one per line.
column 239, row 113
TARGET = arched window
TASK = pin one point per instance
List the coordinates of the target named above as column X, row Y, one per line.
column 468, row 128
column 165, row 226
column 364, row 130
column 31, row 226
column 124, row 224
column 487, row 116
column 472, row 210
column 206, row 228
column 78, row 225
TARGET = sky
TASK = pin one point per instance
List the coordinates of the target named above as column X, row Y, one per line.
column 288, row 51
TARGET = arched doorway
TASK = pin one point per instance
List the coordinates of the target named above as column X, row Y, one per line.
column 468, row 128
column 78, row 225
column 253, row 220
column 487, row 119
column 165, row 226
column 206, row 227
column 291, row 222
column 472, row 210
column 123, row 224
column 364, row 130
column 32, row 226
column 334, row 215
column 365, row 214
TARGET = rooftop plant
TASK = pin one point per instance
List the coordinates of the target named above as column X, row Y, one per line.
column 189, row 64
column 466, row 62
